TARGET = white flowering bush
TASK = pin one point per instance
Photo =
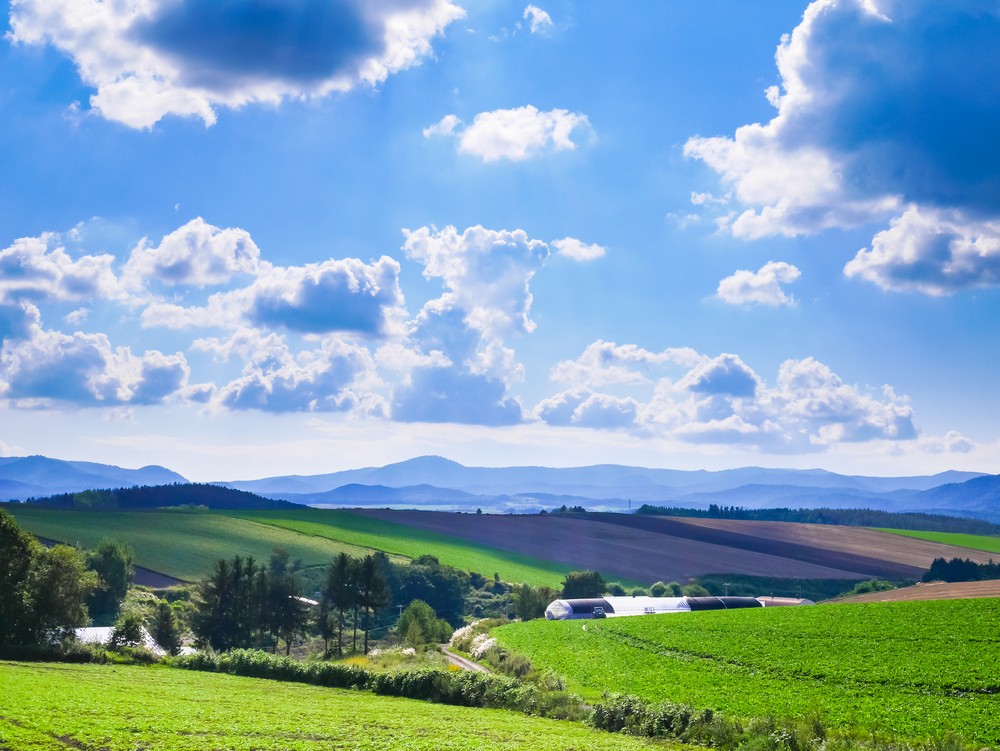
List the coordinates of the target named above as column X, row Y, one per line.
column 482, row 644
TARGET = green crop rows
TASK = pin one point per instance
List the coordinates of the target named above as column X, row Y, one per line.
column 183, row 545
column 356, row 529
column 51, row 707
column 989, row 543
column 913, row 669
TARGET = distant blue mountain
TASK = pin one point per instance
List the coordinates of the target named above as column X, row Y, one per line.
column 39, row 476
column 434, row 480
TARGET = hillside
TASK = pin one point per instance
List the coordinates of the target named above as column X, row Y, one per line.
column 184, row 545
column 647, row 549
column 160, row 496
column 914, row 669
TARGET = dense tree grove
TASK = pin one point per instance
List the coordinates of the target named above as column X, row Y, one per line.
column 583, row 584
column 114, row 564
column 961, row 570
column 43, row 591
column 244, row 604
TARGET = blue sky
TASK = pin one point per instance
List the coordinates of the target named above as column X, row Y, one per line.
column 250, row 238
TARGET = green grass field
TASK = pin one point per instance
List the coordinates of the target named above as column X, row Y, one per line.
column 184, row 545
column 51, row 707
column 989, row 543
column 913, row 670
column 356, row 529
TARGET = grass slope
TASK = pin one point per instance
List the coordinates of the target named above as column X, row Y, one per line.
column 989, row 543
column 56, row 706
column 910, row 669
column 184, row 545
column 355, row 529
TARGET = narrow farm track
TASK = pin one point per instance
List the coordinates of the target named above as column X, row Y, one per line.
column 462, row 662
column 641, row 554
column 931, row 591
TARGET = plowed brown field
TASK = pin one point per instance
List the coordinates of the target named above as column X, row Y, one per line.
column 645, row 548
column 932, row 591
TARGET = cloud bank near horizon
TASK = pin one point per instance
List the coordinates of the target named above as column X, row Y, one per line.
column 336, row 336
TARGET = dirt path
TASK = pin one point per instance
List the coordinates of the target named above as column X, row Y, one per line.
column 460, row 661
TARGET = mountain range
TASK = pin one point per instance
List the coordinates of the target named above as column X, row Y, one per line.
column 436, row 482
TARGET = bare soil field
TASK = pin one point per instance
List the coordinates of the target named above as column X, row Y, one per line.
column 857, row 541
column 649, row 549
column 931, row 591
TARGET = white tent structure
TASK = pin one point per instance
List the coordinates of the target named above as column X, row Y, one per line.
column 102, row 635
column 615, row 607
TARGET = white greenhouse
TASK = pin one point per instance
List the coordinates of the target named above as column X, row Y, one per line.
column 615, row 607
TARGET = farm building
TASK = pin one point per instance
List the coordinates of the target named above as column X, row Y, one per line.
column 614, row 607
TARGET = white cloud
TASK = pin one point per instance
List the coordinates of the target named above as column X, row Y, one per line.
column 486, row 271
column 51, row 367
column 539, row 22
column 931, row 251
column 444, row 127
column 864, row 132
column 586, row 409
column 603, row 363
column 578, row 250
column 513, row 134
column 196, row 254
column 345, row 295
column 40, row 268
column 721, row 400
column 762, row 287
column 152, row 58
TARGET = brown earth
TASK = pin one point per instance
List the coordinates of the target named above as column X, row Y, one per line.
column 931, row 591
column 648, row 549
column 885, row 546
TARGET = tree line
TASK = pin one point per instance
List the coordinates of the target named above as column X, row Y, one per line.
column 961, row 570
column 847, row 517
column 244, row 604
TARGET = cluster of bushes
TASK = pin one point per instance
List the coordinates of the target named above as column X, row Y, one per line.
column 665, row 720
column 461, row 688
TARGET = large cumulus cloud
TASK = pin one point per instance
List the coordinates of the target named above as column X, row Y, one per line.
column 884, row 106
column 152, row 58
column 695, row 398
column 49, row 367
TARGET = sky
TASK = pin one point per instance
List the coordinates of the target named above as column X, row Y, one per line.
column 242, row 239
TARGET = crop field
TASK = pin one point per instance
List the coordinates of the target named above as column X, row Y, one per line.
column 989, row 543
column 184, row 545
column 912, row 670
column 51, row 707
column 647, row 549
column 356, row 529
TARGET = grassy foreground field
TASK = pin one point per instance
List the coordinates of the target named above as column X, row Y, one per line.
column 989, row 543
column 56, row 706
column 913, row 670
column 184, row 545
column 355, row 529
